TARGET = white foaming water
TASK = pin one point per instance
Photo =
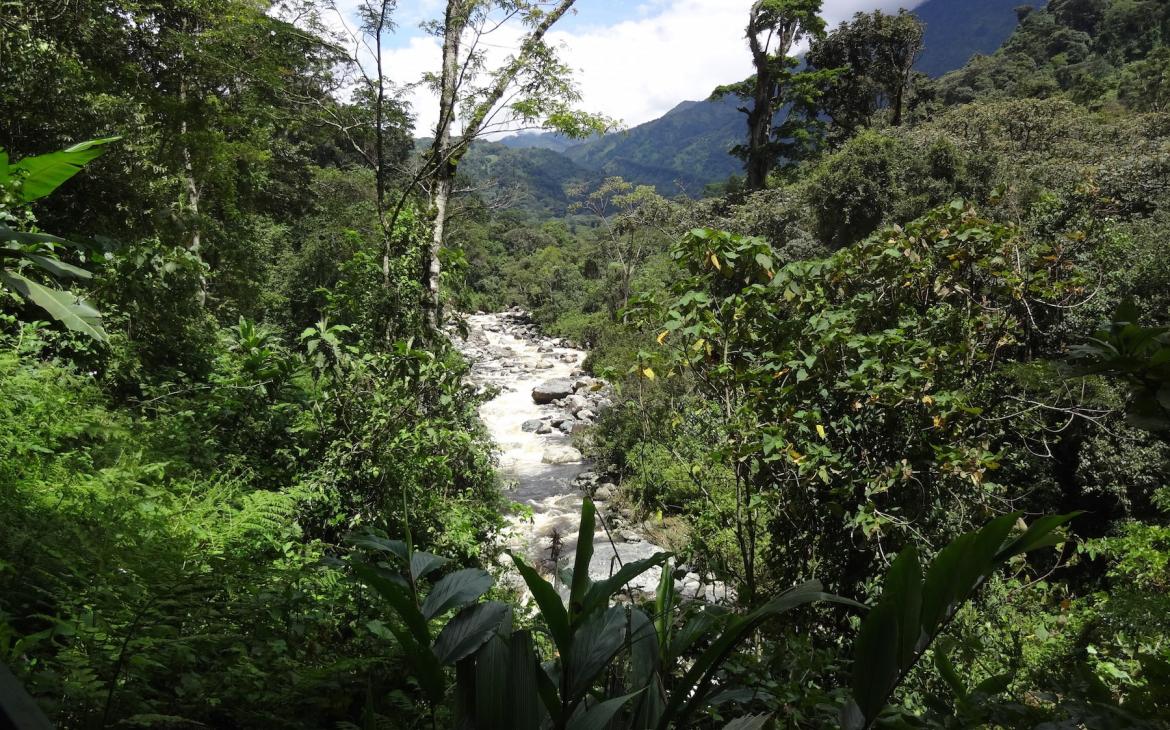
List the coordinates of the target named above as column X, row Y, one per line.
column 509, row 354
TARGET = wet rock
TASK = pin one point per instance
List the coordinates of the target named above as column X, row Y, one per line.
column 561, row 455
column 605, row 492
column 574, row 403
column 586, row 415
column 544, row 429
column 552, row 390
column 532, row 426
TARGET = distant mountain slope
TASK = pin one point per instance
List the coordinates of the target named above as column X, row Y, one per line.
column 689, row 147
column 682, row 151
column 956, row 30
column 539, row 176
column 538, row 140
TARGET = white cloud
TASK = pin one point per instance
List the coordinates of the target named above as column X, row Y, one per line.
column 635, row 70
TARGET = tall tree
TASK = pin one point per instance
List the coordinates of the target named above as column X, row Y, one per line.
column 876, row 53
column 529, row 88
column 773, row 31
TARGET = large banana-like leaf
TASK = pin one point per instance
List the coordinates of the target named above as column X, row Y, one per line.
column 45, row 173
column 597, row 717
column 914, row 609
column 584, row 556
column 595, row 643
column 549, row 602
column 470, row 630
column 8, row 234
column 456, row 590
column 59, row 268
column 599, row 593
column 62, row 306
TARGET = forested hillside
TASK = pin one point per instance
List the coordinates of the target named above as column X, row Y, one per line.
column 876, row 434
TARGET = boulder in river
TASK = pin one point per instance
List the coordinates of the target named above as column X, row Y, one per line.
column 574, row 403
column 532, row 426
column 551, row 390
column 562, row 455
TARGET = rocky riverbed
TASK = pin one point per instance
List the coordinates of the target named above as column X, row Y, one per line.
column 544, row 399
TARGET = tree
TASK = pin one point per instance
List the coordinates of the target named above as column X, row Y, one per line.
column 774, row 28
column 631, row 219
column 877, row 53
column 529, row 88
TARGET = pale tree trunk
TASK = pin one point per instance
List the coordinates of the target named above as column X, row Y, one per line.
column 443, row 159
column 195, row 235
column 447, row 150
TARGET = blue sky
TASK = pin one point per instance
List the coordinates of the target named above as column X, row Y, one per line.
column 634, row 60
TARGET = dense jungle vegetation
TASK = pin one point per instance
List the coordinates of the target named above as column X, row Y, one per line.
column 916, row 358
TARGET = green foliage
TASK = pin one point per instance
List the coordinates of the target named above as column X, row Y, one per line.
column 21, row 183
column 914, row 610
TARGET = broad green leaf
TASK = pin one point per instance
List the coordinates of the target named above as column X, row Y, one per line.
column 423, row 564
column 1039, row 534
column 946, row 670
column 400, row 600
column 595, row 643
column 8, row 234
column 584, row 556
column 396, row 548
column 904, row 585
column 62, row 306
column 468, row 631
column 598, row 716
column 45, row 173
column 551, row 609
column 699, row 625
column 600, row 592
column 547, row 687
column 456, row 590
column 994, row 685
column 58, row 268
column 523, row 684
column 492, row 698
column 751, row 722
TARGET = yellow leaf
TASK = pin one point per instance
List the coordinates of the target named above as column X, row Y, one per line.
column 662, row 337
column 795, row 455
column 715, row 262
column 821, row 431
column 649, row 373
column 926, row 399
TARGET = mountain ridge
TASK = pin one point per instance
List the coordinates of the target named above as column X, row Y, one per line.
column 689, row 147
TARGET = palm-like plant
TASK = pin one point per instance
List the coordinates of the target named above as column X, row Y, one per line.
column 22, row 253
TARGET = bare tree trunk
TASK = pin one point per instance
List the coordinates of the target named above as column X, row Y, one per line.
column 195, row 237
column 759, row 162
column 447, row 150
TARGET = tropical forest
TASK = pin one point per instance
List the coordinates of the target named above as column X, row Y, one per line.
column 585, row 364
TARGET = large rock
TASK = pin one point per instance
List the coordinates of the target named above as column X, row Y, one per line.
column 551, row 390
column 575, row 403
column 562, row 455
column 532, row 426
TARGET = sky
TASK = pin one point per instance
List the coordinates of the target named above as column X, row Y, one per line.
column 634, row 60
